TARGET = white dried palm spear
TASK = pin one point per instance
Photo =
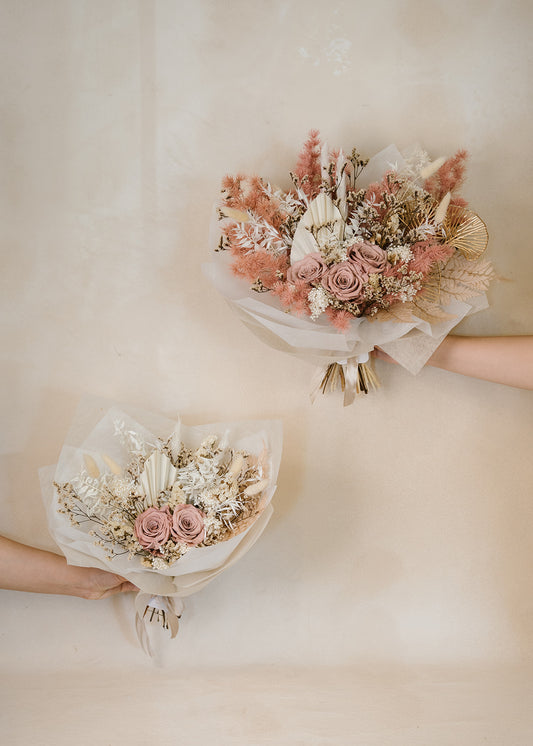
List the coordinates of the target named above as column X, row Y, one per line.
column 321, row 213
column 158, row 474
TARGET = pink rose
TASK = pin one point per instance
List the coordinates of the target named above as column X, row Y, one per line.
column 372, row 258
column 308, row 269
column 152, row 527
column 188, row 525
column 345, row 281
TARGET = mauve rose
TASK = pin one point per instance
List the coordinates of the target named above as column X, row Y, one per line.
column 308, row 269
column 188, row 525
column 371, row 257
column 345, row 281
column 152, row 527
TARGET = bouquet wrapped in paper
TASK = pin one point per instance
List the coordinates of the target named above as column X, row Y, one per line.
column 166, row 506
column 357, row 254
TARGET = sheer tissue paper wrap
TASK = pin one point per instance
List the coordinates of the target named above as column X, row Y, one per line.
column 410, row 344
column 102, row 439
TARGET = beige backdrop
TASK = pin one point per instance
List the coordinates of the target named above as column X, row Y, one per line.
column 389, row 600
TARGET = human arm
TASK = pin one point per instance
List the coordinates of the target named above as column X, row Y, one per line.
column 24, row 568
column 507, row 360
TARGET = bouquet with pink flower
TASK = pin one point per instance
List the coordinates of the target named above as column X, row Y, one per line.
column 168, row 512
column 356, row 254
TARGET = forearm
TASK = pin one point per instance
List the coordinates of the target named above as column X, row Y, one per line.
column 507, row 360
column 24, row 568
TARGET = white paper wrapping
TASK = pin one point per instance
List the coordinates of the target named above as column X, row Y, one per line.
column 201, row 564
column 410, row 344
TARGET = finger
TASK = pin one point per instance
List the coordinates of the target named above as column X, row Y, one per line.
column 125, row 587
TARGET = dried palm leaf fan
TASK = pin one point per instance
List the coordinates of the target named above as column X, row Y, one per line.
column 466, row 232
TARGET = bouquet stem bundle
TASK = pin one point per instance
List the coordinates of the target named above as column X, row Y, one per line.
column 352, row 377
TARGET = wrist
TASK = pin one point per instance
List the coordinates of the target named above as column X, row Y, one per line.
column 443, row 355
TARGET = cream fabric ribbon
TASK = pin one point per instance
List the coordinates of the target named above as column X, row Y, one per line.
column 166, row 611
column 349, row 374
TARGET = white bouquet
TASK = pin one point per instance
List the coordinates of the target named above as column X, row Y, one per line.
column 166, row 506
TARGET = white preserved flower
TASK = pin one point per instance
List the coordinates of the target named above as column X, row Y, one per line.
column 121, row 487
column 213, row 525
column 318, row 302
column 400, row 253
column 394, row 222
column 424, row 230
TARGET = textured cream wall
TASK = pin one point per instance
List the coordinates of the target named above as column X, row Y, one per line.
column 389, row 601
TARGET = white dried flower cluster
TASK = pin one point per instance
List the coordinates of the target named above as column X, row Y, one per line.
column 121, row 487
column 400, row 253
column 288, row 202
column 405, row 287
column 89, row 491
column 208, row 499
column 394, row 222
column 131, row 440
column 196, row 476
column 415, row 160
column 318, row 302
column 213, row 526
column 258, row 234
column 425, row 230
column 331, row 247
column 352, row 228
column 176, row 496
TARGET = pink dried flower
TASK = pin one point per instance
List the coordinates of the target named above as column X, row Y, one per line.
column 426, row 254
column 152, row 527
column 372, row 258
column 374, row 193
column 345, row 281
column 449, row 177
column 308, row 165
column 294, row 296
column 308, row 269
column 188, row 525
column 339, row 319
column 248, row 193
column 232, row 186
column 458, row 202
column 260, row 265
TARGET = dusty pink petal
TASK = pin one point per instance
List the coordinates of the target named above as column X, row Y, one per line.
column 308, row 269
column 152, row 527
column 345, row 281
column 188, row 525
column 370, row 257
